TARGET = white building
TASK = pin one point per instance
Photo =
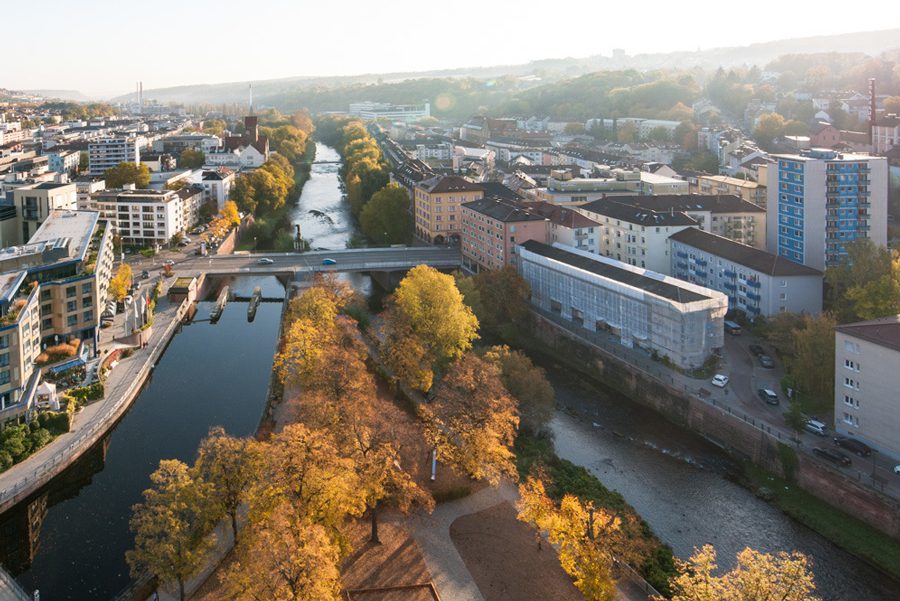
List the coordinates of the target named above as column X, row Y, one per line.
column 392, row 112
column 569, row 226
column 614, row 182
column 755, row 282
column 662, row 315
column 106, row 153
column 819, row 200
column 866, row 364
column 217, row 185
column 886, row 133
column 63, row 161
column 143, row 217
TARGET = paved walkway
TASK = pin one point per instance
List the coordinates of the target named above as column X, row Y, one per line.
column 90, row 423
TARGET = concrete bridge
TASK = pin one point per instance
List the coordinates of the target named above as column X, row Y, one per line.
column 300, row 265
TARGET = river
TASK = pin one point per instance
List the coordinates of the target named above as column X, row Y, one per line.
column 676, row 482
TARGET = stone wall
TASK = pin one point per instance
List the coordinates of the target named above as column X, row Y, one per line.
column 717, row 424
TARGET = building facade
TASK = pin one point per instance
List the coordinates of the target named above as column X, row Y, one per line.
column 662, row 315
column 820, row 200
column 437, row 207
column 143, row 217
column 886, row 133
column 756, row 282
column 745, row 189
column 866, row 364
column 106, row 153
column 34, row 204
column 493, row 228
column 20, row 342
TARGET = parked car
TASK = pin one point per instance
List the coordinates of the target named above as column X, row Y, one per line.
column 832, row 456
column 329, row 262
column 897, row 469
column 816, row 427
column 185, row 241
column 265, row 261
column 169, row 262
column 720, row 380
column 145, row 275
column 732, row 328
column 757, row 350
column 768, row 395
column 766, row 361
column 853, row 445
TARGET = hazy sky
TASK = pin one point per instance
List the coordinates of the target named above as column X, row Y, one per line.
column 104, row 46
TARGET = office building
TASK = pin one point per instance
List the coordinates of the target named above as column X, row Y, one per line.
column 390, row 112
column 756, row 282
column 820, row 200
column 867, row 361
column 640, row 308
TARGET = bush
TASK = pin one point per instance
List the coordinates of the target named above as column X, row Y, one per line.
column 56, row 422
column 83, row 394
column 60, row 352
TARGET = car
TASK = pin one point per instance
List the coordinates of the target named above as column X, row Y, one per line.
column 768, row 395
column 169, row 262
column 897, row 469
column 757, row 350
column 145, row 275
column 329, row 262
column 265, row 261
column 853, row 445
column 832, row 456
column 185, row 241
column 816, row 427
column 720, row 380
column 766, row 361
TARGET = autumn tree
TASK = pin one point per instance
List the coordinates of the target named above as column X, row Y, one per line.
column 191, row 159
column 812, row 364
column 127, row 173
column 285, row 559
column 229, row 465
column 504, row 296
column 756, row 577
column 121, row 282
column 769, row 127
column 386, row 218
column 471, row 421
column 527, row 383
column 428, row 324
column 171, row 526
column 230, row 213
column 880, row 296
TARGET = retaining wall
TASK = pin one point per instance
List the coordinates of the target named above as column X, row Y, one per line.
column 716, row 423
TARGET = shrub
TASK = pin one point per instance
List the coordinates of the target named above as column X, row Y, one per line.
column 59, row 352
column 83, row 394
column 56, row 422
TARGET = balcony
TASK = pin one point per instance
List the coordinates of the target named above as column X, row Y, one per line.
column 754, row 296
column 754, row 284
column 681, row 255
column 730, row 274
column 681, row 265
column 730, row 286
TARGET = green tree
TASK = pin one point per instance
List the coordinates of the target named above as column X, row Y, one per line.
column 626, row 133
column 472, row 420
column 386, row 218
column 878, row 297
column 127, row 173
column 504, row 297
column 528, row 384
column 812, row 365
column 864, row 262
column 171, row 526
column 769, row 127
column 191, row 159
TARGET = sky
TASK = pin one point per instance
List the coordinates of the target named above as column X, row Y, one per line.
column 102, row 47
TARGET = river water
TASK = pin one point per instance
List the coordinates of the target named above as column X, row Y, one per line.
column 676, row 482
column 323, row 217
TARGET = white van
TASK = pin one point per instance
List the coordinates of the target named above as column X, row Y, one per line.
column 816, row 427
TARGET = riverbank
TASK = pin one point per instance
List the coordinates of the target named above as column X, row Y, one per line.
column 95, row 420
column 738, row 439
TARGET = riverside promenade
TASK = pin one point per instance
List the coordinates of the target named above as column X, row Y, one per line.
column 123, row 383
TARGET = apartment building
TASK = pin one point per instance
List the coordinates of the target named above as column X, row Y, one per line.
column 886, row 133
column 744, row 189
column 662, row 315
column 568, row 226
column 34, row 204
column 64, row 161
column 614, row 182
column 636, row 235
column 106, row 153
column 143, row 217
column 217, row 185
column 20, row 342
column 866, row 364
column 392, row 112
column 820, row 200
column 178, row 143
column 492, row 228
column 437, row 205
column 756, row 282
column 86, row 187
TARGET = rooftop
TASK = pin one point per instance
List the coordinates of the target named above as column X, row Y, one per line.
column 563, row 216
column 884, row 331
column 748, row 256
column 503, row 210
column 719, row 203
column 449, row 183
column 642, row 279
column 629, row 213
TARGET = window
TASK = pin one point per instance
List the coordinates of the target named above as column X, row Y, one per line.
column 47, row 323
column 85, row 288
column 88, row 316
column 72, row 320
column 850, row 401
column 71, row 292
column 4, row 377
column 71, row 306
column 4, row 360
column 851, row 365
column 851, row 383
column 4, row 341
column 851, row 420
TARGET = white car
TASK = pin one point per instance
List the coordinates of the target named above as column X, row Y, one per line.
column 897, row 469
column 265, row 261
column 720, row 380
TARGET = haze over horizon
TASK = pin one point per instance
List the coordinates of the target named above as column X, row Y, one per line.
column 207, row 42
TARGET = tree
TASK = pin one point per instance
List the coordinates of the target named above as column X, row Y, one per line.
column 171, row 526
column 427, row 312
column 769, row 127
column 574, row 129
column 627, row 133
column 285, row 559
column 879, row 297
column 756, row 577
column 504, row 296
column 659, row 134
column 127, row 173
column 812, row 366
column 120, row 283
column 527, row 383
column 191, row 159
column 892, row 105
column 386, row 218
column 472, row 420
column 230, row 213
column 229, row 465
column 83, row 162
column 863, row 263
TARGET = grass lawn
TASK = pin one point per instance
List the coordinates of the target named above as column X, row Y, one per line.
column 845, row 531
